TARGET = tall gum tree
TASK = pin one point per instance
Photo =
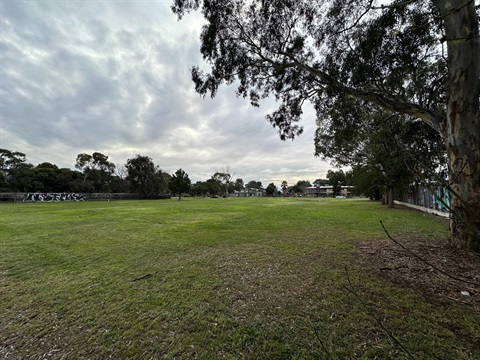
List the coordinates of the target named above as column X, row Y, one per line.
column 413, row 57
column 460, row 126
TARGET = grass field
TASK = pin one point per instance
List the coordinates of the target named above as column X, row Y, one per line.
column 215, row 278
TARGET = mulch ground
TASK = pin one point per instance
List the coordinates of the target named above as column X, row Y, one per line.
column 443, row 276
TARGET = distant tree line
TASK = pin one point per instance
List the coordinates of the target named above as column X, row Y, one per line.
column 378, row 166
column 94, row 173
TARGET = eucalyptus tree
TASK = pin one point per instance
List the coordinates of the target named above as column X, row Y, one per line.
column 146, row 178
column 284, row 187
column 69, row 180
column 412, row 57
column 9, row 161
column 224, row 176
column 223, row 179
column 368, row 181
column 97, row 169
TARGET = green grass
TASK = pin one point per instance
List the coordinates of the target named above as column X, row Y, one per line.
column 227, row 278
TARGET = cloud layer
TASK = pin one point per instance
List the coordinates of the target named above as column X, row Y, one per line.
column 114, row 77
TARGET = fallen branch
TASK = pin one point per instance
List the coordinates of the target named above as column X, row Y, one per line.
column 418, row 257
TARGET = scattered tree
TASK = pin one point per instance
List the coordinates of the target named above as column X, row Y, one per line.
column 179, row 183
column 271, row 189
column 284, row 187
column 145, row 177
column 223, row 179
column 214, row 186
column 336, row 179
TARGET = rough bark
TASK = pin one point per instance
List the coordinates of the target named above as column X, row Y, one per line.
column 462, row 126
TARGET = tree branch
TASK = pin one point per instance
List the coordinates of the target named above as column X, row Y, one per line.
column 406, row 2
column 355, row 23
column 433, row 118
column 418, row 257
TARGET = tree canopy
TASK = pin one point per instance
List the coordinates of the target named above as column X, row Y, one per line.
column 97, row 170
column 271, row 190
column 9, row 161
column 252, row 184
column 145, row 177
column 393, row 149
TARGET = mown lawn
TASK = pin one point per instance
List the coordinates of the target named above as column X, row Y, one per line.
column 215, row 278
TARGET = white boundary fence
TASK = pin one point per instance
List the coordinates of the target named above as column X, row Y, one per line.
column 424, row 209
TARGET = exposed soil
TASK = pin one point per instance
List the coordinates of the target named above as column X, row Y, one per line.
column 428, row 277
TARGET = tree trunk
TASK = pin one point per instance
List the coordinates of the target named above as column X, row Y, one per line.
column 416, row 193
column 390, row 202
column 462, row 126
column 384, row 198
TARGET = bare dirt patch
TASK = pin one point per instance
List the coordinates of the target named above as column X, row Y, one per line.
column 428, row 277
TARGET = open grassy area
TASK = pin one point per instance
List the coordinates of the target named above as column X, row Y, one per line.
column 216, row 278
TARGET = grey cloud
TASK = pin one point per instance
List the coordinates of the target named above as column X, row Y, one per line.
column 115, row 77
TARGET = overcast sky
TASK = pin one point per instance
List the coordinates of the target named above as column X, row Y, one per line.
column 114, row 77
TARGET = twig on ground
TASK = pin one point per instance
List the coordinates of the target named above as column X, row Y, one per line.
column 321, row 343
column 142, row 277
column 426, row 262
column 377, row 320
